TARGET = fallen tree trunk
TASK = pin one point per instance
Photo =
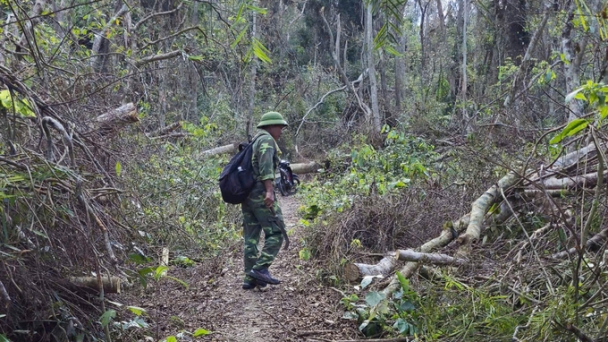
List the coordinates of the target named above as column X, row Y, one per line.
column 110, row 284
column 117, row 118
column 356, row 271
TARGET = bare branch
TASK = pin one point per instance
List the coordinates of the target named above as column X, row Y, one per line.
column 157, row 14
column 155, row 58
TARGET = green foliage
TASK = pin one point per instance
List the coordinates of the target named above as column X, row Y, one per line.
column 11, row 101
column 596, row 95
column 400, row 162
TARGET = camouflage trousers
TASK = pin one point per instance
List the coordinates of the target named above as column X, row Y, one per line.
column 255, row 219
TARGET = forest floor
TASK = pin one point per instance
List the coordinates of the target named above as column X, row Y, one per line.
column 299, row 309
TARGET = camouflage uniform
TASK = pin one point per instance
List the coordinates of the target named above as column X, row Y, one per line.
column 256, row 215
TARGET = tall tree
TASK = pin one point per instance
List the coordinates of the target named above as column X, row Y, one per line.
column 371, row 67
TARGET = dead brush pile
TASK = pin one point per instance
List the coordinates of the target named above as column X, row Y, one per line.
column 380, row 224
column 62, row 240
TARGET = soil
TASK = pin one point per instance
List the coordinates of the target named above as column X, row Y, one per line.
column 301, row 308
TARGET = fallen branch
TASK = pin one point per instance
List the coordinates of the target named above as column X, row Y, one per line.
column 446, row 236
column 481, row 206
column 589, row 179
column 430, row 258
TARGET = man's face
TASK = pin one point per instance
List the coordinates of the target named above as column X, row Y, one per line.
column 275, row 131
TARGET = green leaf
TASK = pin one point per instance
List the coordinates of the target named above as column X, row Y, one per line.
column 405, row 284
column 195, row 58
column 239, row 37
column 181, row 282
column 373, row 298
column 160, row 271
column 580, row 96
column 171, row 339
column 571, row 129
column 260, row 51
column 201, row 332
column 136, row 310
column 118, row 168
column 304, row 254
column 107, row 316
column 3, row 338
column 259, row 10
column 570, row 96
column 401, row 325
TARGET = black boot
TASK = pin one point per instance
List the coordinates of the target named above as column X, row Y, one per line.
column 264, row 276
column 250, row 284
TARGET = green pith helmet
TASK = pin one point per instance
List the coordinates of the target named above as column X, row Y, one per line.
column 272, row 118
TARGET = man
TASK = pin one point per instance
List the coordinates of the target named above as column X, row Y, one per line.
column 261, row 210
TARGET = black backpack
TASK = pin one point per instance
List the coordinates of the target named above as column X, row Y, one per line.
column 237, row 178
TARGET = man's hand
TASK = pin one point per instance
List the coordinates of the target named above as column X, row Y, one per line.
column 269, row 198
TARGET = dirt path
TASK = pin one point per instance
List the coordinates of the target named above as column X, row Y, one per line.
column 300, row 309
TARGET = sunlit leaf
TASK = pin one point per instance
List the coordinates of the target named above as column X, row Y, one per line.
column 136, row 310
column 572, row 128
column 118, row 168
column 201, row 332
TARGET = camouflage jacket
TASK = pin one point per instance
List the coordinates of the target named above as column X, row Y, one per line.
column 265, row 157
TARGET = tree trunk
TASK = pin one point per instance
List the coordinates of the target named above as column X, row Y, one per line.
column 369, row 43
column 441, row 18
column 463, row 80
column 575, row 107
column 254, row 70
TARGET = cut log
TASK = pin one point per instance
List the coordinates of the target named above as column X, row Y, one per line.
column 356, row 271
column 110, row 284
column 117, row 118
column 309, row 167
column 230, row 148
